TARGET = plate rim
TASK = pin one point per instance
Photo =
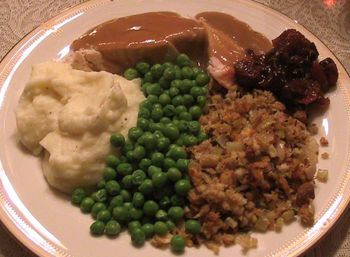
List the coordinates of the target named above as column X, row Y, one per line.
column 11, row 57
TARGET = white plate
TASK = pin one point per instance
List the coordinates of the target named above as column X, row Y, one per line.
column 50, row 226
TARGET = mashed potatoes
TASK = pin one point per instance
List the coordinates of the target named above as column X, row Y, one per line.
column 70, row 114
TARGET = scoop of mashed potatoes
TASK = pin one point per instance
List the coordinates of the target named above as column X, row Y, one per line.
column 69, row 115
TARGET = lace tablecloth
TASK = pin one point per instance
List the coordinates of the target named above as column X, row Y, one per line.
column 327, row 19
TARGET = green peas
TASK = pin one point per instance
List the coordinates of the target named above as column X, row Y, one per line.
column 177, row 243
column 188, row 100
column 131, row 73
column 142, row 67
column 126, row 195
column 187, row 72
column 135, row 214
column 182, row 187
column 103, row 215
column 138, row 199
column 182, row 125
column 134, row 133
column 100, row 195
column 176, row 83
column 177, row 152
column 177, row 100
column 169, row 110
column 174, row 174
column 177, row 200
column 120, row 213
column 124, row 169
column 194, row 127
column 139, row 152
column 202, row 137
column 146, row 187
column 180, row 109
column 159, row 179
column 163, row 144
column 201, row 101
column 112, row 187
column 164, row 83
column 170, row 224
column 128, row 146
column 127, row 181
column 182, row 164
column 101, row 184
column 165, row 120
column 153, row 170
column 176, row 213
column 156, row 126
column 86, row 204
column 185, row 116
column 97, row 208
column 154, row 89
column 112, row 228
column 160, row 228
column 164, row 99
column 138, row 176
column 168, row 163
column 133, row 225
column 112, row 160
column 164, row 202
column 116, row 201
column 182, row 60
column 97, row 228
column 148, row 77
column 77, row 196
column 171, row 131
column 156, row 114
column 144, row 113
column 153, row 99
column 193, row 226
column 150, row 208
column 173, row 91
column 161, row 215
column 195, row 111
column 148, row 230
column 189, row 140
column 197, row 91
column 202, row 79
column 169, row 73
column 142, row 123
column 185, row 86
column 157, row 159
column 150, row 141
column 117, row 139
column 167, row 65
column 138, row 237
column 157, row 70
column 145, row 163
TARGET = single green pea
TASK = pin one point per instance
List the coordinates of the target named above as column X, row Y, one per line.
column 182, row 60
column 202, row 136
column 128, row 146
column 195, row 111
column 101, row 184
column 154, row 126
column 185, row 86
column 120, row 213
column 86, row 204
column 161, row 215
column 182, row 187
column 177, row 100
column 180, row 109
column 157, row 70
column 176, row 153
column 185, row 116
column 171, row 131
column 194, row 127
column 96, row 208
column 167, row 65
column 127, row 181
column 116, row 201
column 138, row 199
column 150, row 208
column 148, row 77
column 202, row 79
column 148, row 230
column 138, row 176
column 146, row 187
column 165, row 120
column 176, row 213
column 144, row 113
column 150, row 142
column 169, row 73
column 112, row 187
column 174, row 174
column 177, row 243
column 197, row 91
column 143, row 123
column 124, row 169
column 100, row 195
column 130, row 156
column 97, row 228
column 160, row 228
column 164, row 99
column 104, row 215
column 117, row 140
column 135, row 214
column 174, row 91
column 134, row 133
column 112, row 161
column 169, row 110
column 131, row 73
column 170, row 224
column 126, row 195
column 168, row 163
column 192, row 226
column 138, row 237
column 188, row 100
column 153, row 170
column 190, row 140
column 139, row 152
column 154, row 89
column 164, row 83
column 133, row 225
column 182, row 164
column 142, row 67
column 156, row 114
column 163, row 145
column 187, row 72
column 78, row 195
column 182, row 125
column 145, row 163
column 112, row 228
column 157, row 159
column 201, row 101
column 159, row 179
column 178, row 74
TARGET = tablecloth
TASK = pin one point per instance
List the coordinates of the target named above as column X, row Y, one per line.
column 327, row 19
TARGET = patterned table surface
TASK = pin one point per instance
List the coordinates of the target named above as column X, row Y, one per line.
column 327, row 19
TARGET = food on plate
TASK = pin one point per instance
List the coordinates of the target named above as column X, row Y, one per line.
column 69, row 115
column 206, row 141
